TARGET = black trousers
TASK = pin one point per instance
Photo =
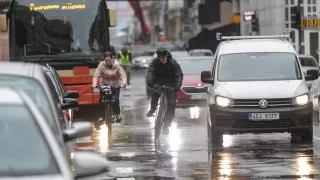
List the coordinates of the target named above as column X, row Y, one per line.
column 116, row 103
column 171, row 105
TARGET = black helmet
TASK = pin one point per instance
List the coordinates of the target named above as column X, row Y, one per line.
column 162, row 52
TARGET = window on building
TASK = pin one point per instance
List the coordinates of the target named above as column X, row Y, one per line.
column 286, row 14
column 309, row 9
column 309, row 1
column 314, row 1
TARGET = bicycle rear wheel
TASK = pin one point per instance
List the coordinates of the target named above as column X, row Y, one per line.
column 107, row 118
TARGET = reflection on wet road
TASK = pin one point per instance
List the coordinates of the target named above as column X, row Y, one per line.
column 186, row 154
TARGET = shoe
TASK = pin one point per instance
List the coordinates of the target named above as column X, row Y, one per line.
column 150, row 113
column 165, row 130
column 118, row 118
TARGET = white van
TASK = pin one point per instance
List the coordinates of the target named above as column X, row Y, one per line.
column 256, row 85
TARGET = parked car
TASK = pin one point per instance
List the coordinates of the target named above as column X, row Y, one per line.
column 200, row 52
column 31, row 150
column 193, row 92
column 64, row 96
column 256, row 85
column 32, row 79
column 308, row 62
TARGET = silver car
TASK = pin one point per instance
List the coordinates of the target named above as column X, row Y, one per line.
column 141, row 62
column 31, row 150
column 256, row 85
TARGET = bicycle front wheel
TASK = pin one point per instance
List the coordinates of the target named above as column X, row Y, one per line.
column 159, row 121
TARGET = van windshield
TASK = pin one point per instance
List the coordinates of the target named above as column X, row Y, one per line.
column 260, row 66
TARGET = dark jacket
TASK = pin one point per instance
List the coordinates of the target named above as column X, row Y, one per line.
column 169, row 74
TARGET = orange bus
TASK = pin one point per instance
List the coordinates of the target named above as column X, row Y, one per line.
column 68, row 35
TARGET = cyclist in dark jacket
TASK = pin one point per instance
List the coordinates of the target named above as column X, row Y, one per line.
column 164, row 70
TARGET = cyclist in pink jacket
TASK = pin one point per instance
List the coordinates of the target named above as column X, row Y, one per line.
column 112, row 74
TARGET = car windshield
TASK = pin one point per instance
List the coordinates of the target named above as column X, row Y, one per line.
column 262, row 66
column 54, row 27
column 24, row 150
column 305, row 61
column 35, row 91
column 195, row 65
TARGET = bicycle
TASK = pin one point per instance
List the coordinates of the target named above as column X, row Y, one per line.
column 161, row 110
column 107, row 98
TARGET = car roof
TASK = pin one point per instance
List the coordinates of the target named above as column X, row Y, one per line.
column 255, row 45
column 9, row 96
column 194, row 57
column 20, row 68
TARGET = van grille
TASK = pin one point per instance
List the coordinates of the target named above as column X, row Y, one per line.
column 255, row 102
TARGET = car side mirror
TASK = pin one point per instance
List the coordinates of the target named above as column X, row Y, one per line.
column 205, row 77
column 72, row 94
column 89, row 164
column 312, row 74
column 69, row 103
column 77, row 130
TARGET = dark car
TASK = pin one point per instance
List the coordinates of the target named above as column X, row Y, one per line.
column 63, row 95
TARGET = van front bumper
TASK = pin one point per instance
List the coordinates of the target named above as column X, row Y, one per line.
column 235, row 120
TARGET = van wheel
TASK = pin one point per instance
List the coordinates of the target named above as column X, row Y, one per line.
column 307, row 137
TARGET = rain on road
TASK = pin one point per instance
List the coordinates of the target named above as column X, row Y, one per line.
column 186, row 154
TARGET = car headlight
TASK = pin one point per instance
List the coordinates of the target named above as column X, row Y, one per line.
column 301, row 100
column 223, row 102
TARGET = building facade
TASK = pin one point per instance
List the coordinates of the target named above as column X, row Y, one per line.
column 310, row 30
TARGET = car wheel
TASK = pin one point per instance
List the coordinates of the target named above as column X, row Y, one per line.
column 307, row 136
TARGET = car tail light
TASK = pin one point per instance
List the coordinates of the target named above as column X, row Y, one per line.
column 66, row 115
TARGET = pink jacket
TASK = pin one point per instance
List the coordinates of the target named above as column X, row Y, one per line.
column 114, row 76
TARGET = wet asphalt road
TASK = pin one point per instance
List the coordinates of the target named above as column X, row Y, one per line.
column 186, row 154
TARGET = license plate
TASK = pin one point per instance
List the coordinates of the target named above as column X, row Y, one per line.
column 198, row 96
column 263, row 116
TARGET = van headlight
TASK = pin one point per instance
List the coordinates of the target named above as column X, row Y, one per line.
column 224, row 102
column 301, row 100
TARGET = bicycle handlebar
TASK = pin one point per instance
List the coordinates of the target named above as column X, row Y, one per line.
column 164, row 88
column 114, row 87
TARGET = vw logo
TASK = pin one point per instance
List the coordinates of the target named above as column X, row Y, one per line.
column 263, row 103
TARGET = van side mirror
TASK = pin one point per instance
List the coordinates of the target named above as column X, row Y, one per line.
column 112, row 18
column 312, row 74
column 3, row 23
column 72, row 94
column 205, row 77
